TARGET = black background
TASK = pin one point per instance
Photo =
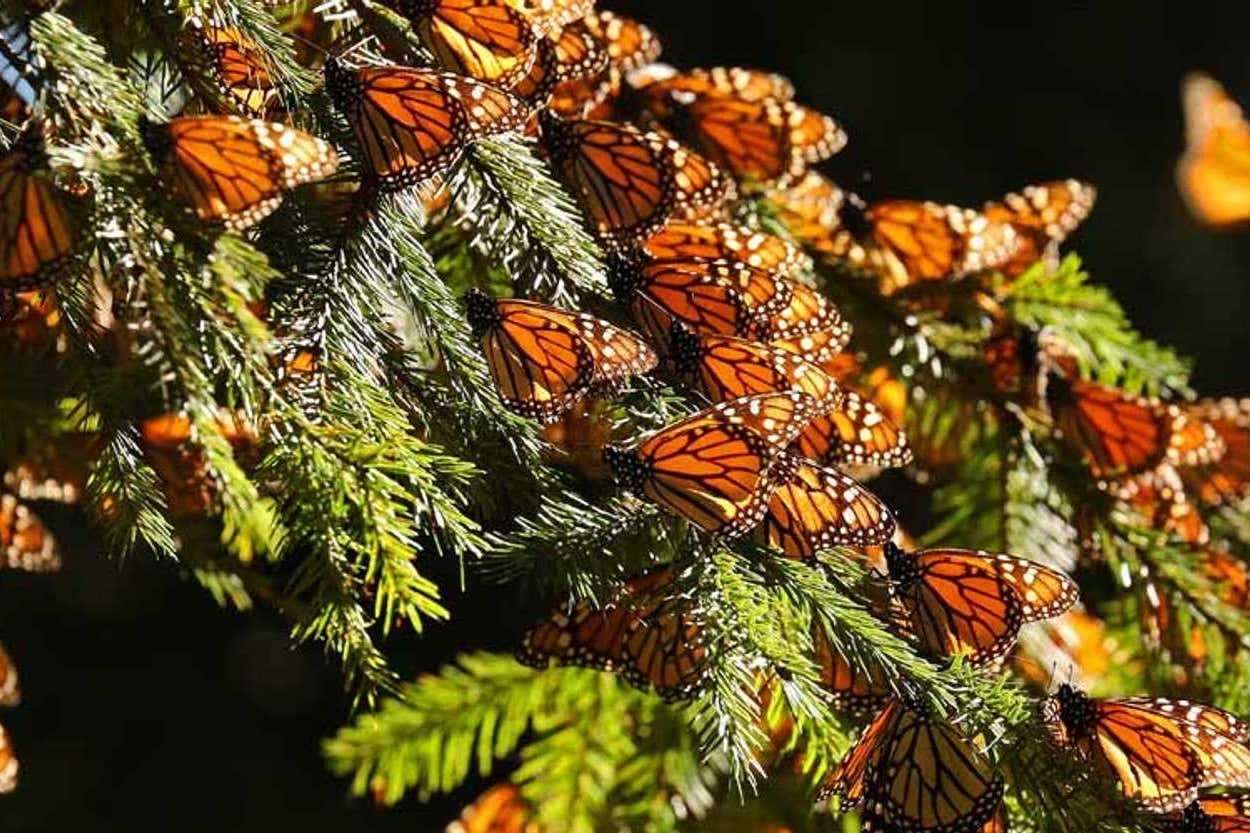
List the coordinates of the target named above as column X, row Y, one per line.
column 147, row 707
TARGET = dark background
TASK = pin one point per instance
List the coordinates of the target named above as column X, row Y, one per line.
column 147, row 707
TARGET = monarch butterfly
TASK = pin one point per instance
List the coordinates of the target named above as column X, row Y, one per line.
column 545, row 359
column 631, row 182
column 973, row 603
column 678, row 240
column 232, row 170
column 548, row 17
column 8, row 764
column 630, row 44
column 414, row 123
column 25, row 543
column 809, row 325
column 855, row 692
column 571, row 56
column 1120, row 434
column 732, row 82
column 724, row 368
column 1043, row 215
column 240, row 67
column 1215, row 814
column 913, row 772
column 1161, row 752
column 814, row 508
column 1214, row 173
column 712, row 468
column 501, row 809
column 29, row 321
column 169, row 443
column 487, row 40
column 10, row 691
column 1226, row 478
column 708, row 297
column 857, row 433
column 653, row 640
column 906, row 242
column 762, row 139
column 36, row 241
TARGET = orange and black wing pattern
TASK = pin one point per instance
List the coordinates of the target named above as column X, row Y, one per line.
column 652, row 639
column 1116, row 433
column 909, row 242
column 240, row 68
column 1214, row 173
column 487, row 40
column 856, row 433
column 571, row 57
column 1224, row 479
column 630, row 182
column 809, row 325
column 234, row 171
column 501, row 809
column 707, row 297
column 36, row 236
column 545, row 359
column 1043, row 215
column 415, row 123
column 1216, row 814
column 724, row 368
column 741, row 83
column 973, row 603
column 10, row 690
column 712, row 468
column 912, row 772
column 630, row 44
column 814, row 508
column 679, row 240
column 811, row 210
column 25, row 543
column 550, row 17
column 1159, row 752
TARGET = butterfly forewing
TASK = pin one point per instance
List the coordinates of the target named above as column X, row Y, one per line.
column 36, row 238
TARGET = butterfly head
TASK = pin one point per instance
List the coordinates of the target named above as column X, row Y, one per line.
column 684, row 348
column 855, row 216
column 1076, row 710
column 901, row 566
column 28, row 149
column 483, row 311
column 627, row 468
column 156, row 139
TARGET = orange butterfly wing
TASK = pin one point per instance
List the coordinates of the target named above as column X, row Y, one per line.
column 501, row 809
column 813, row 509
column 415, row 123
column 36, row 241
column 10, row 691
column 732, row 82
column 809, row 325
column 1116, row 433
column 631, row 182
column 1042, row 215
column 240, row 67
column 696, row 294
column 25, row 543
column 855, row 692
column 724, row 367
column 652, row 640
column 486, row 40
column 234, row 171
column 961, row 601
column 712, row 468
column 549, row 17
column 679, row 240
column 857, row 433
column 8, row 764
column 630, row 44
column 574, row 55
column 1226, row 478
column 1214, row 173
